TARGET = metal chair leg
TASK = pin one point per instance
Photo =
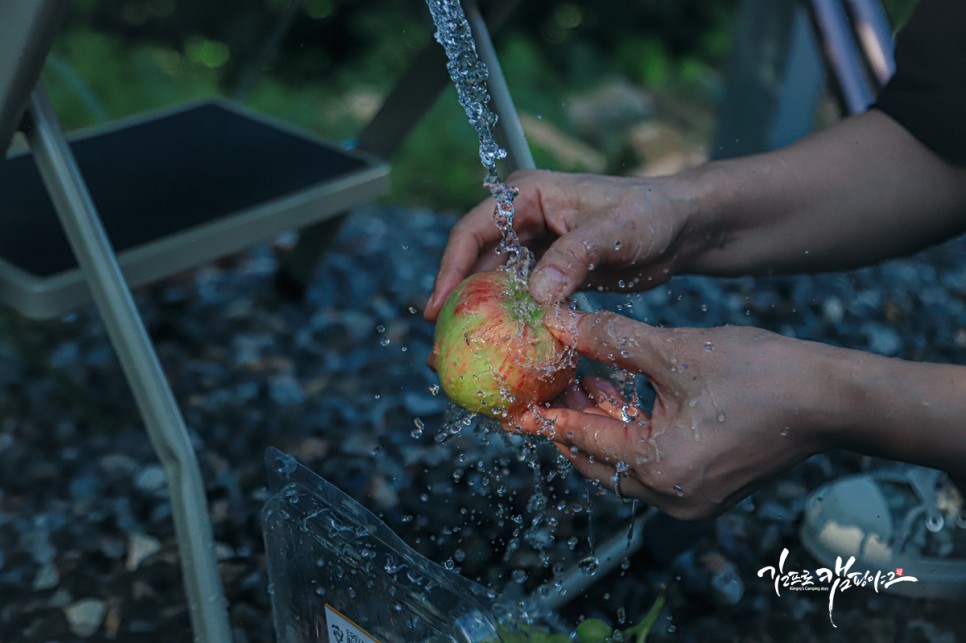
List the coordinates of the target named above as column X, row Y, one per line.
column 165, row 425
column 874, row 33
column 844, row 56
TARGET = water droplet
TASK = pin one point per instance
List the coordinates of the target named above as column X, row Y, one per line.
column 784, row 432
column 589, row 565
column 285, row 464
column 418, row 429
column 617, row 245
column 708, row 346
column 385, row 341
column 626, row 416
column 679, row 491
column 519, row 576
column 380, row 328
column 721, row 416
column 392, row 566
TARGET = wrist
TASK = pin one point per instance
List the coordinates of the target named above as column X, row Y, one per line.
column 908, row 411
column 702, row 195
column 853, row 392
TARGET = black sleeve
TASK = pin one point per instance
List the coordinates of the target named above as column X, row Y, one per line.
column 927, row 94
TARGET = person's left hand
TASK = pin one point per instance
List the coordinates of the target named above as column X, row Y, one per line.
column 734, row 406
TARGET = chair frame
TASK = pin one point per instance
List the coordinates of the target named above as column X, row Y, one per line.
column 156, row 403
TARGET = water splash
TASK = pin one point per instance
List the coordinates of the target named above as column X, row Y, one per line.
column 539, row 515
column 469, row 75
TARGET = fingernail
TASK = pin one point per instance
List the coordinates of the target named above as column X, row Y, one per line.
column 546, row 285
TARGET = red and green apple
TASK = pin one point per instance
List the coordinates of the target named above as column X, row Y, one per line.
column 492, row 349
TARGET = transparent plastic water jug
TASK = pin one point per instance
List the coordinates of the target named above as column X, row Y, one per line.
column 338, row 573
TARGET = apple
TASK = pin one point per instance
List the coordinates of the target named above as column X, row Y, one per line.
column 492, row 350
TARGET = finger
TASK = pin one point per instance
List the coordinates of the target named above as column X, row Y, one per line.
column 575, row 397
column 474, row 232
column 564, row 266
column 608, row 398
column 604, row 474
column 539, row 421
column 607, row 439
column 489, row 259
column 588, row 467
column 613, row 339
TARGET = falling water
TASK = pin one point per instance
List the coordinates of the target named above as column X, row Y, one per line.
column 469, row 76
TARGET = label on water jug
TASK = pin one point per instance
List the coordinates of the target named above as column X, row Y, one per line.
column 342, row 630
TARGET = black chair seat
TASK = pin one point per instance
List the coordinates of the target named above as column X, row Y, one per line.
column 173, row 191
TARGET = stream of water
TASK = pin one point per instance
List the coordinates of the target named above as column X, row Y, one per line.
column 470, row 75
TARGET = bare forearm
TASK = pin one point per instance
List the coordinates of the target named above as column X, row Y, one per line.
column 860, row 192
column 901, row 410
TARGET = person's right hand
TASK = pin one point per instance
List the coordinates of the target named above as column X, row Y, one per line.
column 734, row 406
column 588, row 231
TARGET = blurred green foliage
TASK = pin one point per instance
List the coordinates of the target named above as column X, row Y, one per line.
column 898, row 11
column 338, row 58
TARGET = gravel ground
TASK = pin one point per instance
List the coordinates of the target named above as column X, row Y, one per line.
column 339, row 380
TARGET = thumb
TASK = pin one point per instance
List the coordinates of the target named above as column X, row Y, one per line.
column 612, row 339
column 564, row 266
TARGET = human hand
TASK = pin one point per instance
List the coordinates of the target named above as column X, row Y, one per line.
column 587, row 231
column 734, row 406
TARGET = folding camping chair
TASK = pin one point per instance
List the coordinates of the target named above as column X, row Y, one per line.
column 139, row 201
column 145, row 198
